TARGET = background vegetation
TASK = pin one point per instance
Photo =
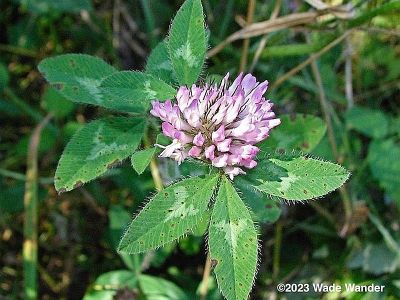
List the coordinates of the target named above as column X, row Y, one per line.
column 340, row 63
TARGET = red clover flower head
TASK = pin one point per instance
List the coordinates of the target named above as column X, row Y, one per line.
column 219, row 124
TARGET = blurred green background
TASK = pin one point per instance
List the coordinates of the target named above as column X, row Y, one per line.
column 351, row 236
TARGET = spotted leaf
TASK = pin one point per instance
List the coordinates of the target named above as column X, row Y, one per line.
column 77, row 76
column 171, row 214
column 296, row 177
column 95, row 148
column 232, row 241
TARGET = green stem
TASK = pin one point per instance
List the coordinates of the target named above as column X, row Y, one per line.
column 155, row 172
column 30, row 245
column 206, row 277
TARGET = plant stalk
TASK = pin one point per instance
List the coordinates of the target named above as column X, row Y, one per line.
column 30, row 246
column 206, row 277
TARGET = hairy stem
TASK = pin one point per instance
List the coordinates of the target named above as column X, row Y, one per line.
column 30, row 246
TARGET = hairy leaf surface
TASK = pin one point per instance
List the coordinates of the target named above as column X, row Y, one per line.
column 95, row 148
column 297, row 177
column 187, row 42
column 172, row 213
column 133, row 91
column 298, row 132
column 232, row 243
column 77, row 76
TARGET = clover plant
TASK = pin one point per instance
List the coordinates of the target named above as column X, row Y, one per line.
column 228, row 126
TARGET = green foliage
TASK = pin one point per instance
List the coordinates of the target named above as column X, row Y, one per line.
column 155, row 288
column 371, row 122
column 96, row 148
column 376, row 259
column 299, row 132
column 132, row 91
column 107, row 285
column 54, row 102
column 383, row 159
column 232, row 242
column 174, row 212
column 187, row 42
column 141, row 159
column 4, row 77
column 77, row 77
column 297, row 177
column 263, row 208
column 159, row 63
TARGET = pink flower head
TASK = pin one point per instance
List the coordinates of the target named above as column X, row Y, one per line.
column 220, row 124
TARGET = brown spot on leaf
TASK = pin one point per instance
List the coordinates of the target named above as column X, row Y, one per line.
column 113, row 164
column 305, row 191
column 305, row 145
column 78, row 184
column 214, row 262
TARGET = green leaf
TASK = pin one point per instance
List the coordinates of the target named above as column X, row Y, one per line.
column 4, row 77
column 77, row 76
column 299, row 132
column 141, row 159
column 107, row 285
column 155, row 288
column 232, row 243
column 297, row 177
column 383, row 159
column 54, row 102
column 171, row 214
column 376, row 259
column 133, row 91
column 371, row 122
column 264, row 209
column 95, row 148
column 187, row 42
column 159, row 63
